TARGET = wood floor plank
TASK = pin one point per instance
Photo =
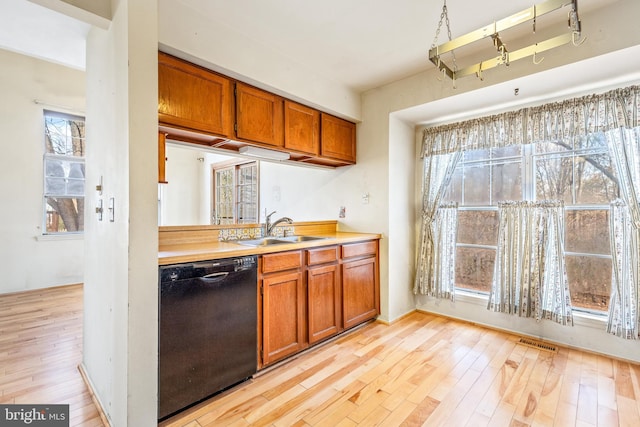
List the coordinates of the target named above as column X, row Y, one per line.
column 422, row 370
column 41, row 342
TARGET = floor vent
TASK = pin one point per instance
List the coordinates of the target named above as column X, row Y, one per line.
column 538, row 344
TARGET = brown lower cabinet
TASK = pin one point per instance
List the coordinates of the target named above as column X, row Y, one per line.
column 360, row 282
column 324, row 294
column 359, row 299
column 309, row 295
column 283, row 311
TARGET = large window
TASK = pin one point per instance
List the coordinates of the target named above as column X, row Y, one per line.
column 581, row 175
column 235, row 198
column 64, row 173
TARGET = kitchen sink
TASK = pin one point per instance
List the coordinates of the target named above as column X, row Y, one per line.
column 301, row 238
column 268, row 241
column 263, row 241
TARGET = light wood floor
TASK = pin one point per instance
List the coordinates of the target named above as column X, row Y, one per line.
column 422, row 370
column 40, row 349
column 432, row 371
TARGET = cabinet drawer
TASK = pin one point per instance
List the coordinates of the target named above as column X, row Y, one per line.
column 359, row 249
column 322, row 255
column 281, row 261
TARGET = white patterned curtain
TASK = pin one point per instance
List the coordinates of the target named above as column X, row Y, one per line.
column 557, row 121
column 572, row 118
column 529, row 278
column 624, row 146
column 435, row 275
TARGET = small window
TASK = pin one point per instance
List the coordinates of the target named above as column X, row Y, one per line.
column 235, row 194
column 64, row 173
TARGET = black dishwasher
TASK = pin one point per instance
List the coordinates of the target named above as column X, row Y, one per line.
column 207, row 329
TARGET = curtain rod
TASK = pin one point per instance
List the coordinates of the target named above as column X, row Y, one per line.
column 72, row 110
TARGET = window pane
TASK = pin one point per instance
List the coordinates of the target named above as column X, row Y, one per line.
column 247, row 194
column 553, row 146
column 224, row 196
column 64, row 214
column 475, row 155
column 63, row 177
column 595, row 141
column 55, row 186
column 589, row 282
column 476, row 185
column 507, row 182
column 474, row 268
column 454, row 191
column 75, row 187
column 595, row 181
column 587, row 231
column 478, row 227
column 64, row 134
column 554, row 178
column 511, row 151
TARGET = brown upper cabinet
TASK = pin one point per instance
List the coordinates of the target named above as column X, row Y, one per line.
column 199, row 106
column 193, row 98
column 338, row 140
column 259, row 116
column 301, row 128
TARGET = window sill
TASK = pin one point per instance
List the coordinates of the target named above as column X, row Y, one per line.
column 580, row 318
column 59, row 237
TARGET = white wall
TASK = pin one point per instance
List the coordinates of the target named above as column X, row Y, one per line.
column 185, row 195
column 121, row 284
column 29, row 261
column 303, row 193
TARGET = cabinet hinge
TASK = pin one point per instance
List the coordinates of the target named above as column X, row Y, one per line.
column 235, row 127
column 261, row 289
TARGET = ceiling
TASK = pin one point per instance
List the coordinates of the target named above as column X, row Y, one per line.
column 33, row 30
column 362, row 44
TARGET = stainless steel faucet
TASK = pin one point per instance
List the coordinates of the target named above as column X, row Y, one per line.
column 269, row 226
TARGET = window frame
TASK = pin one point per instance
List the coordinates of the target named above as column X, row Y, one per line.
column 49, row 159
column 528, row 161
column 236, row 166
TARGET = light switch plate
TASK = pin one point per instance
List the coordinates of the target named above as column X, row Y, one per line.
column 112, row 214
column 99, row 209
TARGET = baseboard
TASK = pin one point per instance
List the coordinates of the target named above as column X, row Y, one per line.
column 94, row 397
column 36, row 290
column 389, row 323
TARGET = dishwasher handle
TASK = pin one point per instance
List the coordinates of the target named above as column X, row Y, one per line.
column 214, row 277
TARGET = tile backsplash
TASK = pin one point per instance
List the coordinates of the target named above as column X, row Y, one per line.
column 227, row 234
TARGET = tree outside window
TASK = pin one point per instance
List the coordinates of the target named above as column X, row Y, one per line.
column 579, row 173
column 64, row 173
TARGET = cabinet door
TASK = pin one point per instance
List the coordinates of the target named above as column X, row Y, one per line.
column 193, row 98
column 301, row 128
column 259, row 116
column 162, row 158
column 337, row 138
column 282, row 316
column 323, row 293
column 359, row 291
